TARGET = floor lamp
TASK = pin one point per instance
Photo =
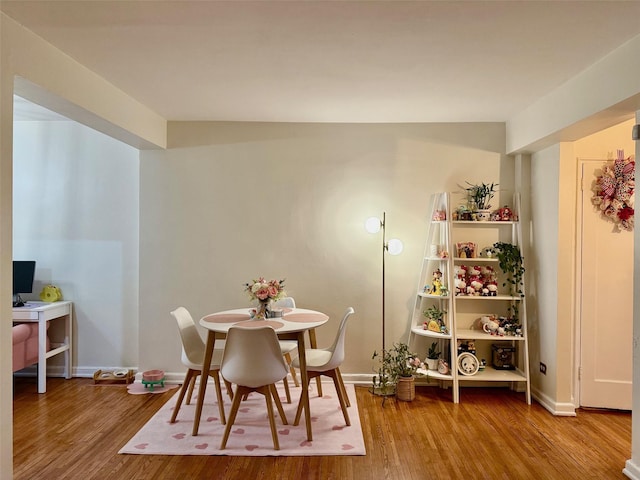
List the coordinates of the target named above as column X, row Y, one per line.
column 393, row 247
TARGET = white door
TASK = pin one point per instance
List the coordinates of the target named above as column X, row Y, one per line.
column 606, row 305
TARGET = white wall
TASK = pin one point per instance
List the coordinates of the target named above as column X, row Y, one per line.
column 75, row 210
column 542, row 269
column 289, row 201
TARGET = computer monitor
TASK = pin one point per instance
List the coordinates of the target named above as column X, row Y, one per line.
column 23, row 273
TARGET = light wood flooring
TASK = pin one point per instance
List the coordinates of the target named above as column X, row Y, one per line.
column 75, row 430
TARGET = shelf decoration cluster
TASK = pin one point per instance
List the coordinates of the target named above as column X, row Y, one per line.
column 466, row 305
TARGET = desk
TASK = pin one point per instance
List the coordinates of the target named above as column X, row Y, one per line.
column 42, row 312
column 291, row 326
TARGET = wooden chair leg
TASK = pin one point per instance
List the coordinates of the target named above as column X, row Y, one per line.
column 266, row 391
column 237, row 398
column 216, row 381
column 310, row 376
column 229, row 389
column 286, row 389
column 319, row 385
column 343, row 405
column 344, row 390
column 192, row 384
column 183, row 390
column 276, row 398
column 314, row 344
column 287, row 357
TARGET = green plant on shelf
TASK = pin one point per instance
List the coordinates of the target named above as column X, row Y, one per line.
column 479, row 195
column 434, row 313
column 512, row 264
column 433, row 353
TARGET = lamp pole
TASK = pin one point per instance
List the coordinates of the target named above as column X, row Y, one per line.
column 385, row 247
column 393, row 247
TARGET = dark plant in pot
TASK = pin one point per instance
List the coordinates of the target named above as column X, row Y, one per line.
column 479, row 195
column 433, row 355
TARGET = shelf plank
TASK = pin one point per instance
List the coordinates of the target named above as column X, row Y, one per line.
column 479, row 259
column 423, row 374
column 469, row 334
column 481, row 223
column 480, row 297
column 428, row 295
column 428, row 333
column 490, row 374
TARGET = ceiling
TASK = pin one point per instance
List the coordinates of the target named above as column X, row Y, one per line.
column 334, row 61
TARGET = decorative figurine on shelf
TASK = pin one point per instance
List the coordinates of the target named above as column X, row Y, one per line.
column 504, row 214
column 489, row 282
column 461, row 279
column 483, row 364
column 488, row 252
column 443, row 367
column 466, row 249
column 489, row 324
column 475, row 283
column 439, row 216
column 437, row 283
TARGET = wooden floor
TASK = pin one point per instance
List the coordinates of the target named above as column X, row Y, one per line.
column 75, row 430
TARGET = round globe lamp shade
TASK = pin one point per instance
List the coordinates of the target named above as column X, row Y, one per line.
column 394, row 247
column 372, row 224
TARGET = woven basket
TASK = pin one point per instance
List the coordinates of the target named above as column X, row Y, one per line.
column 406, row 388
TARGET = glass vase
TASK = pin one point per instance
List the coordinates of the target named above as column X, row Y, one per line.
column 262, row 311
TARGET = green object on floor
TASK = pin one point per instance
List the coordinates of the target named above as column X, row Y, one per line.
column 151, row 383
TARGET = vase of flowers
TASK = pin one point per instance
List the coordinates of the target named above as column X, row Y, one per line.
column 264, row 292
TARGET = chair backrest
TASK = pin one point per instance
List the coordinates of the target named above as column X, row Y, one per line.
column 285, row 302
column 252, row 357
column 192, row 344
column 337, row 348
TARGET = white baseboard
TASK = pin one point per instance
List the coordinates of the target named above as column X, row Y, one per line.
column 556, row 408
column 631, row 470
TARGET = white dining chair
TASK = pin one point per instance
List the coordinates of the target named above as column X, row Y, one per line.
column 193, row 349
column 327, row 361
column 253, row 362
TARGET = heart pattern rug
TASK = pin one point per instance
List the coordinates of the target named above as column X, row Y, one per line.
column 251, row 434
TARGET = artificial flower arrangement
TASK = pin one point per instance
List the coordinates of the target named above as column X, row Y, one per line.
column 614, row 191
column 264, row 291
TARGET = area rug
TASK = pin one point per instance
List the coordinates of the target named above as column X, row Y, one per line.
column 251, row 435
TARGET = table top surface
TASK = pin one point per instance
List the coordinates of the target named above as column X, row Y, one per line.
column 292, row 320
column 39, row 306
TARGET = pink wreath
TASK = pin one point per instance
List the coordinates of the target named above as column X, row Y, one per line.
column 614, row 189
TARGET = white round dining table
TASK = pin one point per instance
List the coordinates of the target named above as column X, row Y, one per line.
column 291, row 326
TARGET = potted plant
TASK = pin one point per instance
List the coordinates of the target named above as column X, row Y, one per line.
column 512, row 264
column 435, row 318
column 479, row 197
column 433, row 355
column 395, row 373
